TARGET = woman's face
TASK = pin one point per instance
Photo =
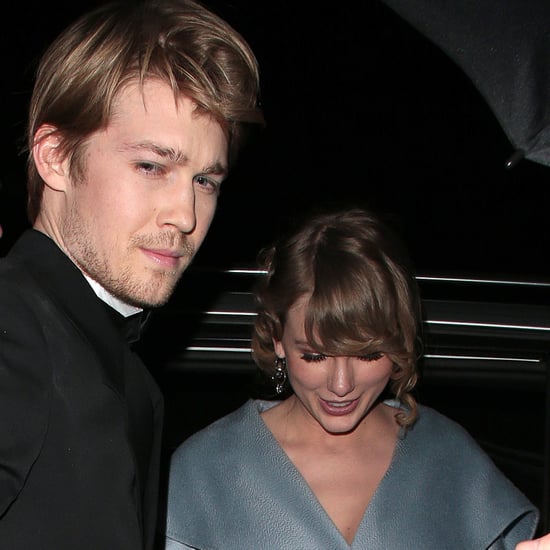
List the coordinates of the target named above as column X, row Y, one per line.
column 337, row 391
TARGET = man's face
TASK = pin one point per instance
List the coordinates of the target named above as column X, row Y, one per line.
column 149, row 194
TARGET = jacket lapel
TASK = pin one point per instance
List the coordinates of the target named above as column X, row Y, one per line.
column 69, row 290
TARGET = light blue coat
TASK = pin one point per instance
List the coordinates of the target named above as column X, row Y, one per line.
column 232, row 487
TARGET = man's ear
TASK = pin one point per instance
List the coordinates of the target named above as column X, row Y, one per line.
column 50, row 162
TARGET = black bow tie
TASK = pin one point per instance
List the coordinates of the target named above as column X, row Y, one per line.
column 132, row 326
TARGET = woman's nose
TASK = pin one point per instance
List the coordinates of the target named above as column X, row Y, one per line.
column 341, row 380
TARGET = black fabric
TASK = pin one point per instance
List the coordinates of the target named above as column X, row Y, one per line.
column 140, row 428
column 132, row 326
column 81, row 468
column 503, row 46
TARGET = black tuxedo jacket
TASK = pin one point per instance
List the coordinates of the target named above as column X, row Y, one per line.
column 80, row 415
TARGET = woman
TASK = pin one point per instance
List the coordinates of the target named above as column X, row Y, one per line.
column 345, row 458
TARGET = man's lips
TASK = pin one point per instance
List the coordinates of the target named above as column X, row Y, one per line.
column 164, row 257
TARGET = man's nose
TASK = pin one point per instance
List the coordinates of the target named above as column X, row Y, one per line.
column 179, row 208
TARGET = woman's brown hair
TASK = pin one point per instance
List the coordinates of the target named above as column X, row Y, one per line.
column 362, row 297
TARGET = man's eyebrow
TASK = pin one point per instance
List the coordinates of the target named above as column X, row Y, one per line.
column 216, row 169
column 173, row 155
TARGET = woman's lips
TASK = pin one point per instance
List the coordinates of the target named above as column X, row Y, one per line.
column 339, row 408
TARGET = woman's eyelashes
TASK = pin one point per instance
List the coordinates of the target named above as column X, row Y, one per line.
column 317, row 357
column 374, row 356
column 313, row 357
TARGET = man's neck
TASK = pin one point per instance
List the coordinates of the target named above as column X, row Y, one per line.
column 116, row 303
column 41, row 224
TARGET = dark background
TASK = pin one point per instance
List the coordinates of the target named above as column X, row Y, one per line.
column 360, row 108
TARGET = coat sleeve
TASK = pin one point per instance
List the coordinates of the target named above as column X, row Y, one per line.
column 25, row 388
column 522, row 528
column 172, row 544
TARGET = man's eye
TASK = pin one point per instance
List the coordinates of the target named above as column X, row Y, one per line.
column 150, row 168
column 313, row 357
column 207, row 184
column 371, row 356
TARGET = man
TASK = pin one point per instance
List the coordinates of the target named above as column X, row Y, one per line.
column 136, row 115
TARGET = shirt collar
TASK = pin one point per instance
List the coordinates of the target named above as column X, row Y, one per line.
column 116, row 303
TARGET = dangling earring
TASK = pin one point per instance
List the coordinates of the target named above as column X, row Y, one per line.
column 279, row 376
